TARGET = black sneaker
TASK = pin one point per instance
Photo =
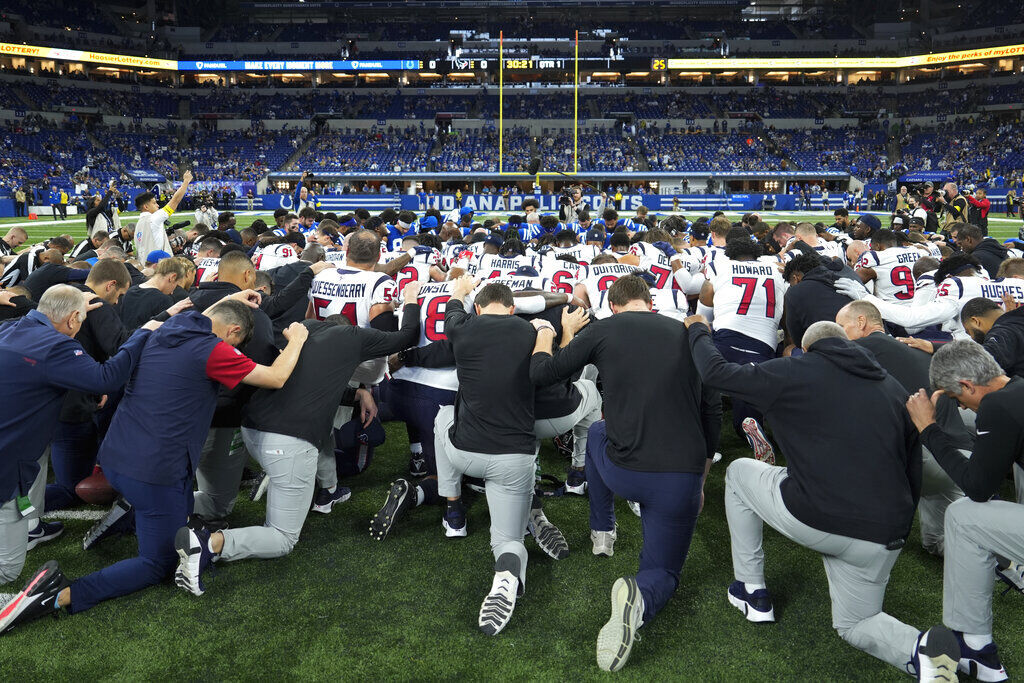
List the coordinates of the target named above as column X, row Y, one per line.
column 120, row 520
column 983, row 664
column 37, row 599
column 935, row 656
column 417, row 466
column 454, row 521
column 496, row 609
column 325, row 500
column 576, row 482
column 400, row 498
column 44, row 532
column 192, row 544
column 756, row 606
column 211, row 525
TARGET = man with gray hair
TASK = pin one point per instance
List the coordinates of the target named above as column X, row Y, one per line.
column 847, row 493
column 982, row 534
column 40, row 361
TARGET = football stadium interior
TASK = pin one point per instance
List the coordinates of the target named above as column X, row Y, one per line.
column 533, row 126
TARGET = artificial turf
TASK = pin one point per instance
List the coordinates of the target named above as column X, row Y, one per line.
column 343, row 606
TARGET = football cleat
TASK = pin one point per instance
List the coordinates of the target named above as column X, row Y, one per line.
column 763, row 451
column 417, row 466
column 37, row 599
column 604, row 542
column 194, row 556
column 564, row 444
column 43, row 533
column 399, row 499
column 496, row 609
column 547, row 535
column 634, row 507
column 325, row 500
column 983, row 664
column 615, row 639
column 756, row 606
column 935, row 655
column 259, row 486
column 1012, row 574
column 576, row 482
column 454, row 521
column 119, row 520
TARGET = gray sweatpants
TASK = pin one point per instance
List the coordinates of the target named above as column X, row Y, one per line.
column 587, row 413
column 14, row 528
column 326, row 465
column 975, row 534
column 857, row 570
column 509, row 487
column 938, row 491
column 219, row 473
column 290, row 463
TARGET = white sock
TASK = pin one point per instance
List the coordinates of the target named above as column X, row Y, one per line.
column 416, row 448
column 419, row 496
column 751, row 587
column 976, row 641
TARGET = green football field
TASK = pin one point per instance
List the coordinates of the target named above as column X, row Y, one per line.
column 343, row 606
column 44, row 227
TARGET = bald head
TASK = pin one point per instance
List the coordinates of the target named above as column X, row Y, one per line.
column 51, row 256
column 859, row 319
column 855, row 251
column 363, row 248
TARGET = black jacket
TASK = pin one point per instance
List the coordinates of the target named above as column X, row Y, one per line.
column 289, row 301
column 991, row 254
column 1005, row 341
column 260, row 348
column 843, row 479
column 814, row 299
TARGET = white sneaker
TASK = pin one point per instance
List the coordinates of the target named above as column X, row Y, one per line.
column 604, row 542
column 634, row 507
column 936, row 655
column 616, row 638
column 496, row 610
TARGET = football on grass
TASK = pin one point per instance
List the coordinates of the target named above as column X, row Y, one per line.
column 95, row 489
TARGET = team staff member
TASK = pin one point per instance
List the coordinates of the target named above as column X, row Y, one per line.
column 150, row 234
column 286, row 428
column 979, row 530
column 182, row 365
column 650, row 449
column 819, row 500
column 40, row 361
column 488, row 433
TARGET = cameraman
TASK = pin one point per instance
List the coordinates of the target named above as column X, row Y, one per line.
column 978, row 213
column 953, row 205
column 571, row 203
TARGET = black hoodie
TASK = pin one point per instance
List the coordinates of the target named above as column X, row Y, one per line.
column 991, row 254
column 815, row 298
column 1005, row 341
column 857, row 478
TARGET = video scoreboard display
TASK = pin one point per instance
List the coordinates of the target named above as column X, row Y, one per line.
column 303, row 65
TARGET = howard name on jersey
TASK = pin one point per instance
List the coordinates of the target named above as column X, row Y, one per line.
column 748, row 298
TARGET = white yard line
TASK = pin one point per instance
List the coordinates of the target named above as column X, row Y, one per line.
column 75, row 514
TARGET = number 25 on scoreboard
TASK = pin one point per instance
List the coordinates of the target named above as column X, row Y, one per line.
column 658, row 65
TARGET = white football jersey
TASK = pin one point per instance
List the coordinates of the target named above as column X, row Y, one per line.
column 491, row 265
column 600, row 278
column 275, row 256
column 335, row 256
column 710, row 254
column 519, row 283
column 352, row 293
column 748, row 298
column 894, row 272
column 563, row 275
column 433, row 300
column 206, row 270
column 656, row 262
column 584, row 253
column 668, row 302
column 412, row 272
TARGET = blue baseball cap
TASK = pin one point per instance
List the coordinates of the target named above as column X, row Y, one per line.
column 494, row 240
column 156, row 256
column 526, row 271
column 428, row 223
column 871, row 221
column 465, row 211
column 595, row 235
